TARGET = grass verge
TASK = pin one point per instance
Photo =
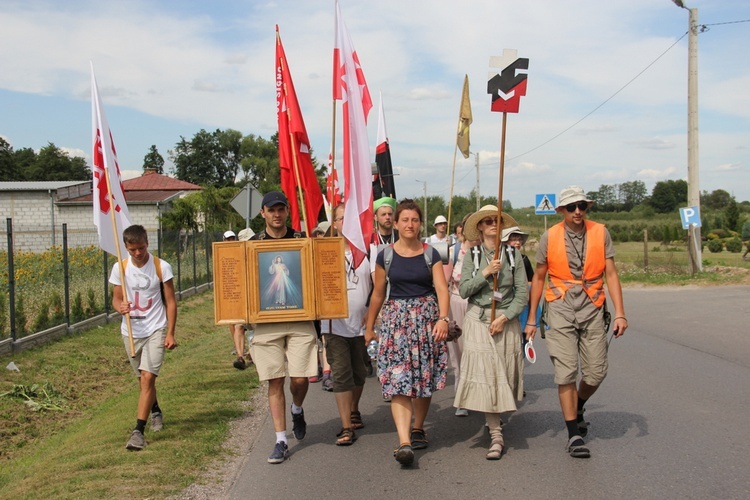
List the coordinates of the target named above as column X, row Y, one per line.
column 80, row 452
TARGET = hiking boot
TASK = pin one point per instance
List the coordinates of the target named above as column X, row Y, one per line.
column 136, row 442
column 299, row 426
column 279, row 454
column 239, row 363
column 157, row 421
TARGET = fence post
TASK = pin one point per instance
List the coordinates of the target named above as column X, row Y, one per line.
column 11, row 280
column 179, row 269
column 66, row 275
column 106, row 283
column 195, row 263
column 645, row 249
column 208, row 256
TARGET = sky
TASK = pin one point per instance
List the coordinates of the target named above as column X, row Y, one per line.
column 168, row 68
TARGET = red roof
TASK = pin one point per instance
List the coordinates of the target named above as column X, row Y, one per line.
column 158, row 182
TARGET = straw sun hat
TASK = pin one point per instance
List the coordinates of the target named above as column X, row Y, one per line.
column 471, row 231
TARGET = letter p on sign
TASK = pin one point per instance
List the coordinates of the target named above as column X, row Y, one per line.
column 690, row 216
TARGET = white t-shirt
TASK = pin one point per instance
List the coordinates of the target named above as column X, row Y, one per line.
column 436, row 239
column 148, row 312
column 358, row 283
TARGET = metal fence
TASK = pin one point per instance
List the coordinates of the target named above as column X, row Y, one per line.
column 69, row 283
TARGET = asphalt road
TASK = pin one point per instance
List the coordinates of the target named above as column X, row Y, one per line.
column 670, row 421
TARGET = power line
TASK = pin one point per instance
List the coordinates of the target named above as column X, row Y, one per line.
column 605, row 101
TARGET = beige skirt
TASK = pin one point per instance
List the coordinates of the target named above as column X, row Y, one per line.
column 491, row 367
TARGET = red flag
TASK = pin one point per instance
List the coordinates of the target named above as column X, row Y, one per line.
column 384, row 184
column 105, row 164
column 294, row 147
column 333, row 192
column 350, row 86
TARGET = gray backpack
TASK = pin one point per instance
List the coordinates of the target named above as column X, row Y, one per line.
column 388, row 258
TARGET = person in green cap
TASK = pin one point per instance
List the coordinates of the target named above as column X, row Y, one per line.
column 384, row 233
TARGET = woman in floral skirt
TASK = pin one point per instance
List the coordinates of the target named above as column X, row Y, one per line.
column 412, row 360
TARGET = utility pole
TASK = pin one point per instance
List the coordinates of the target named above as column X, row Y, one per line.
column 478, row 197
column 425, row 204
column 694, row 197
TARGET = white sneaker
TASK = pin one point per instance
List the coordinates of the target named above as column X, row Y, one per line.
column 462, row 412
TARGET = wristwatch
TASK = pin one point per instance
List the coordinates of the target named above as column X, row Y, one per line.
column 445, row 318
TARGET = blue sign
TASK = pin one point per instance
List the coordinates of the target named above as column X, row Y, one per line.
column 691, row 216
column 545, row 204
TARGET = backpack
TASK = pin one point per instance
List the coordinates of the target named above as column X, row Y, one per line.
column 157, row 265
column 475, row 251
column 388, row 258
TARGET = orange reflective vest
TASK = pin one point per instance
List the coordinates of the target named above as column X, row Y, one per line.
column 558, row 268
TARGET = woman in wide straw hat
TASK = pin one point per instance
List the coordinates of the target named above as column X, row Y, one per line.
column 492, row 360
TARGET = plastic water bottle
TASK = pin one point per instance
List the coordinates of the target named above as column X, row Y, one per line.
column 372, row 349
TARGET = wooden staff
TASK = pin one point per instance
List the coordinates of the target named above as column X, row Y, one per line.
column 499, row 210
column 118, row 237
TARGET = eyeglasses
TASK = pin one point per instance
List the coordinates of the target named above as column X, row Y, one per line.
column 581, row 205
column 338, row 219
column 489, row 221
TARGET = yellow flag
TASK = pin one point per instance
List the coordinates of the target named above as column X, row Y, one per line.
column 464, row 120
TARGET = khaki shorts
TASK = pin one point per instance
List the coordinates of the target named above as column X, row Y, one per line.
column 276, row 346
column 149, row 352
column 346, row 355
column 567, row 343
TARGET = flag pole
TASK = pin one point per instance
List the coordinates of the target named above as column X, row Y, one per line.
column 453, row 178
column 119, row 253
column 499, row 208
column 333, row 155
column 295, row 153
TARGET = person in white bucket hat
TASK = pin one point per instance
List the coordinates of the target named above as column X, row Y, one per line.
column 578, row 256
column 441, row 231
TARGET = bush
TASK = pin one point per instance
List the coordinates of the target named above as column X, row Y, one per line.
column 76, row 312
column 41, row 321
column 3, row 314
column 91, row 303
column 20, row 316
column 56, row 309
column 715, row 246
column 746, row 230
column 734, row 245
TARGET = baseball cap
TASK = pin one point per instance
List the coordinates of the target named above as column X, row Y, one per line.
column 274, row 198
column 229, row 234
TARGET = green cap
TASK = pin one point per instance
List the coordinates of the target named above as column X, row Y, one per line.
column 386, row 200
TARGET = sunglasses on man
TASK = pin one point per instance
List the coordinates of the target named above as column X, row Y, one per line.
column 581, row 205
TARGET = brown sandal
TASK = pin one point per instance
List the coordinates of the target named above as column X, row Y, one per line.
column 346, row 437
column 356, row 418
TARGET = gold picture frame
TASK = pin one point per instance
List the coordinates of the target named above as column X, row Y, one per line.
column 280, row 278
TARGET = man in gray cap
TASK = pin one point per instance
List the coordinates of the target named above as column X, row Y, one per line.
column 281, row 348
column 578, row 255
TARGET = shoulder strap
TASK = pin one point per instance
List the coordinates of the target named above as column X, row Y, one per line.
column 475, row 251
column 387, row 258
column 427, row 251
column 157, row 265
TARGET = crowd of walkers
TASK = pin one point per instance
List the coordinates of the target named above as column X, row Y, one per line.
column 470, row 304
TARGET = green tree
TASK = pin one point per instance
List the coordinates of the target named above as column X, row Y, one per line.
column 7, row 163
column 669, row 195
column 209, row 158
column 260, row 162
column 732, row 215
column 24, row 159
column 153, row 160
column 746, row 230
column 716, row 200
column 605, row 198
column 631, row 194
column 54, row 164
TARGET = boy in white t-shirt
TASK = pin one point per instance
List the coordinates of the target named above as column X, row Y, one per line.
column 153, row 315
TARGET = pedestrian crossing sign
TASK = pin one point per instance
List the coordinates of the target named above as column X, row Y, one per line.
column 545, row 204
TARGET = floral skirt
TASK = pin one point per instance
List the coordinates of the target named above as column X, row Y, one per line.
column 410, row 362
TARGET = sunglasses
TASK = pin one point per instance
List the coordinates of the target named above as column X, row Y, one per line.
column 581, row 205
column 489, row 221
